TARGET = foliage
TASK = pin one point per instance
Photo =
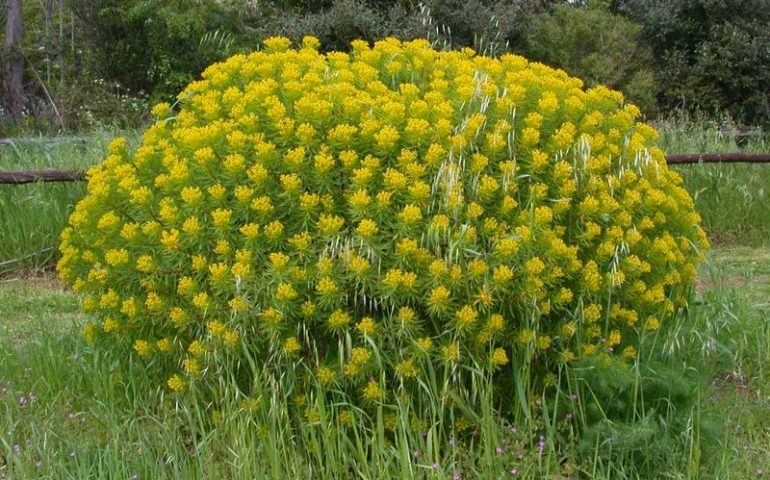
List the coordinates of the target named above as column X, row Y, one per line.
column 336, row 26
column 151, row 46
column 692, row 54
column 712, row 54
column 381, row 218
column 597, row 46
column 490, row 27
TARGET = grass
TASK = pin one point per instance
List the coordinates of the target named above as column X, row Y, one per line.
column 731, row 198
column 32, row 215
column 727, row 338
column 71, row 411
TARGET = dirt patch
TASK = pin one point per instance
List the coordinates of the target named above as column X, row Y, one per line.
column 45, row 279
column 732, row 384
column 739, row 281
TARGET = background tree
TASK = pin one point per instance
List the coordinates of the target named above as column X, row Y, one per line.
column 13, row 61
column 597, row 46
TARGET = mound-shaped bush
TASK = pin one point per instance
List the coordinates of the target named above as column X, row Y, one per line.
column 381, row 216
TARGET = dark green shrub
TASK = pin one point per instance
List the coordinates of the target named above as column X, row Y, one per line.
column 487, row 26
column 336, row 26
column 600, row 47
column 490, row 27
column 713, row 54
column 152, row 47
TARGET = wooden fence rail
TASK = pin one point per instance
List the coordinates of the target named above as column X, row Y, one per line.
column 19, row 178
column 22, row 177
column 40, row 140
column 718, row 158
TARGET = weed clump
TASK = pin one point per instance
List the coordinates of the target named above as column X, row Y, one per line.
column 376, row 220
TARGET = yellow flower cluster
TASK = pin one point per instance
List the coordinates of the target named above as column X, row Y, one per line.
column 448, row 206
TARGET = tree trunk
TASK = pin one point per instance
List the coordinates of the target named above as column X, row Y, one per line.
column 13, row 68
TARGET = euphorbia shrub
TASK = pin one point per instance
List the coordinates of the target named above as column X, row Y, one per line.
column 380, row 215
